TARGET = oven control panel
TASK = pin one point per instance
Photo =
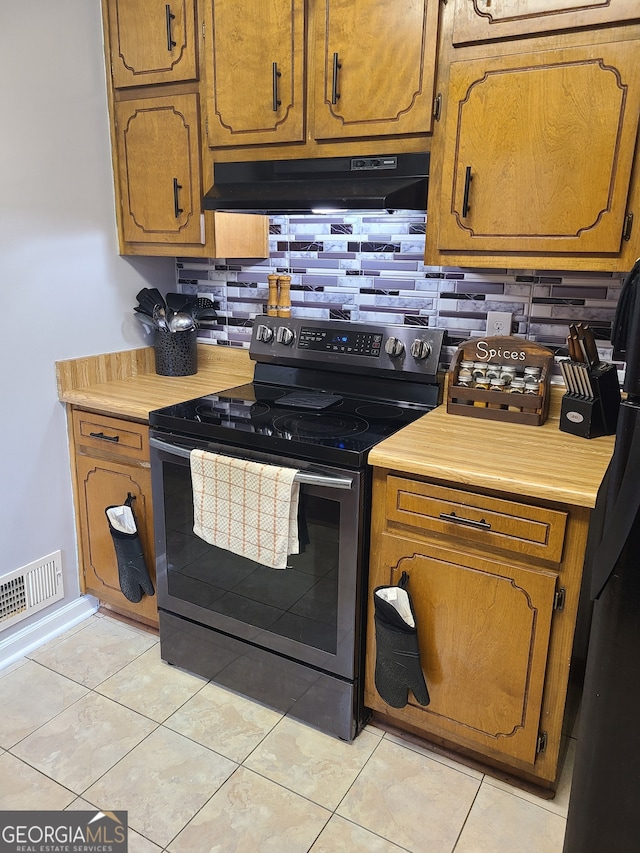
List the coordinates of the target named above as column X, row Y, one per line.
column 344, row 341
column 412, row 350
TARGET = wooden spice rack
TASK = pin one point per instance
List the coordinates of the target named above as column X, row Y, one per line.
column 530, row 409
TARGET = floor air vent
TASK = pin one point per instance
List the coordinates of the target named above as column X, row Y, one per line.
column 30, row 588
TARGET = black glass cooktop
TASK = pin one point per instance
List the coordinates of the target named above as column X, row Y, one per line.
column 317, row 425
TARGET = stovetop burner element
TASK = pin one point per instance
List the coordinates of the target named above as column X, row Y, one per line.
column 319, row 426
column 379, row 410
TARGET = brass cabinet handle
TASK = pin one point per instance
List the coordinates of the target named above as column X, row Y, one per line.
column 276, row 74
column 170, row 42
column 469, row 522
column 334, row 83
column 103, row 437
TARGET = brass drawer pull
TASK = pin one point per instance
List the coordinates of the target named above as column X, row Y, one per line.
column 103, row 437
column 458, row 519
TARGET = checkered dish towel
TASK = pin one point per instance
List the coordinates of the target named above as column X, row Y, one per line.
column 245, row 507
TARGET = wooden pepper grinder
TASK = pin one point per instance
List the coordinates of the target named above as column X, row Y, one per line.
column 272, row 304
column 284, row 296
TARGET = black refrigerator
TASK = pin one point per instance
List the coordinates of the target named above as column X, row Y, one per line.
column 604, row 807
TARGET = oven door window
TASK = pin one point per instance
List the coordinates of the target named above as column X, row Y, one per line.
column 300, row 603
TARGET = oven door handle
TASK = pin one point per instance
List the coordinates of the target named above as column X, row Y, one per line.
column 305, row 477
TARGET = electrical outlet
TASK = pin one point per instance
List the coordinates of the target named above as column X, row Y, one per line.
column 499, row 323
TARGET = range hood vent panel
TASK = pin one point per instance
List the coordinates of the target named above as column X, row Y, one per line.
column 391, row 182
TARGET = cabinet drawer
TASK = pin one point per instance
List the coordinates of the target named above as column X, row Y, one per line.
column 100, row 432
column 530, row 531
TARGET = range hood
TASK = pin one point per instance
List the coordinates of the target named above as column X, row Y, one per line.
column 385, row 182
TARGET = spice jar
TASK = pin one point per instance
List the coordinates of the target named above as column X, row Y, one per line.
column 493, row 371
column 508, row 373
column 516, row 386
column 465, row 378
column 480, row 369
column 532, row 386
column 531, row 373
column 497, row 384
column 482, row 384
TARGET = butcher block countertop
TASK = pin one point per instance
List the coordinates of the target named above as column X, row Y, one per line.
column 126, row 385
column 534, row 461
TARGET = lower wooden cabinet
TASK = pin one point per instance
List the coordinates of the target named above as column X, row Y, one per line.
column 111, row 462
column 495, row 621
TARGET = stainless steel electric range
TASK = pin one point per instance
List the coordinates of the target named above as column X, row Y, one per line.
column 323, row 394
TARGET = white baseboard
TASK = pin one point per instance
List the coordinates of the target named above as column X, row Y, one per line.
column 32, row 636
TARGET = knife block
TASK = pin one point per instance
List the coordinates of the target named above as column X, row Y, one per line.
column 591, row 418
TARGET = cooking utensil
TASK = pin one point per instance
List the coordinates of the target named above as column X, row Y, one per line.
column 571, row 346
column 585, row 381
column 160, row 318
column 565, row 369
column 205, row 314
column 179, row 302
column 139, row 310
column 591, row 348
column 578, row 332
column 181, row 322
column 205, row 302
column 148, row 298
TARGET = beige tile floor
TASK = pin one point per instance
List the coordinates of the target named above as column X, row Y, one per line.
column 95, row 719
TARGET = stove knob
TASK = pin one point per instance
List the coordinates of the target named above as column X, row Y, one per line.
column 394, row 347
column 285, row 336
column 420, row 349
column 264, row 334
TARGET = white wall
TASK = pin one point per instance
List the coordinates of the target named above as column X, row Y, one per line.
column 64, row 291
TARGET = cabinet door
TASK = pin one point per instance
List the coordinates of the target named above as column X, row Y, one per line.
column 483, row 629
column 255, row 72
column 538, row 151
column 102, row 484
column 483, row 20
column 159, row 169
column 373, row 67
column 152, row 41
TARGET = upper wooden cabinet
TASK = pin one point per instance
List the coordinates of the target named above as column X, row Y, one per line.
column 373, row 67
column 485, row 20
column 159, row 155
column 156, row 137
column 160, row 187
column 537, row 153
column 369, row 66
column 152, row 41
column 255, row 51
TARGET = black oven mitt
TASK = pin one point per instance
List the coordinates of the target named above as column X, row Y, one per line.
column 398, row 668
column 133, row 575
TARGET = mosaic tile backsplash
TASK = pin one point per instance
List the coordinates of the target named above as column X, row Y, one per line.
column 369, row 268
